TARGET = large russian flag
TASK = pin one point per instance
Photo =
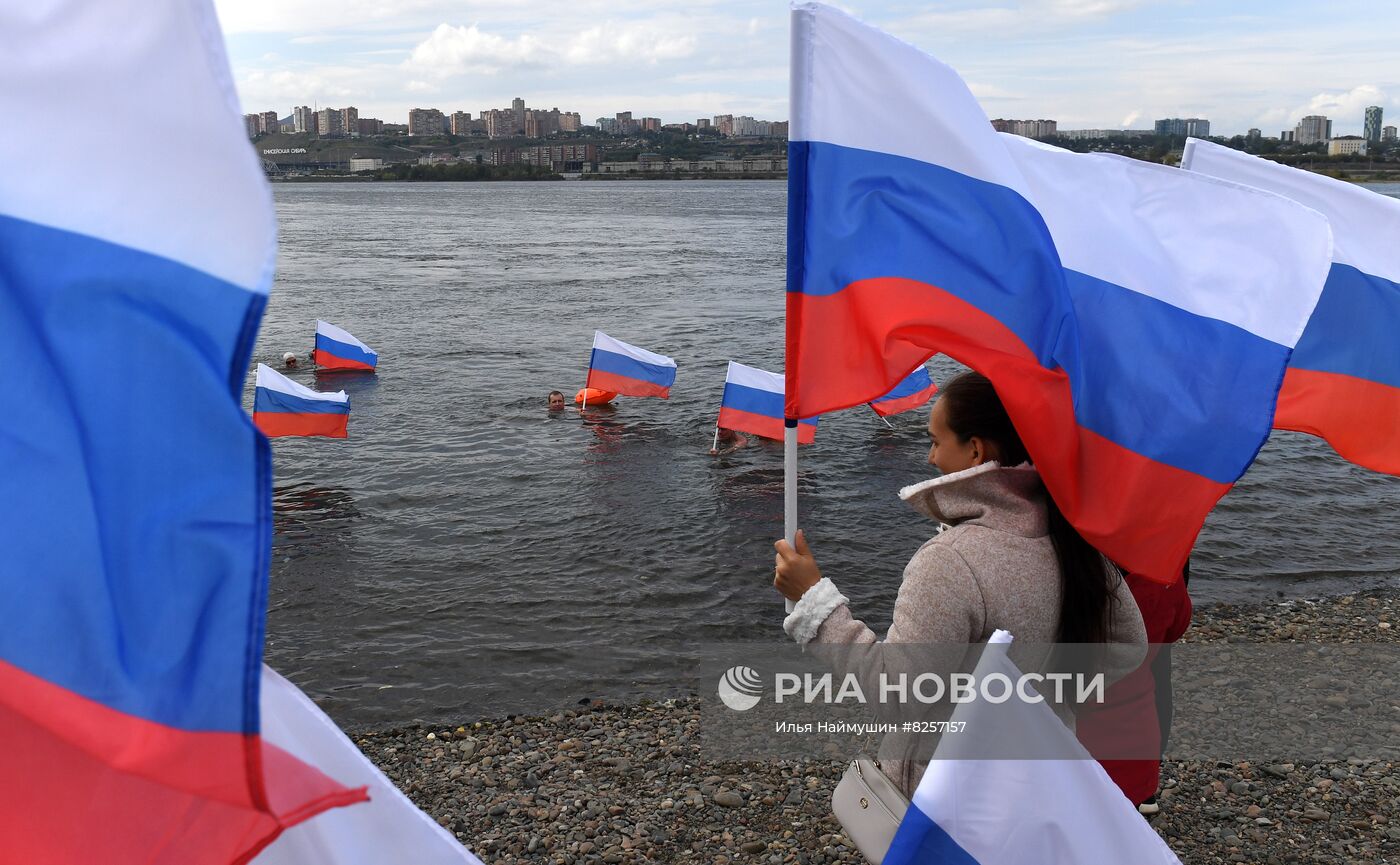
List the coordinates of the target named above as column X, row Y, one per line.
column 282, row 407
column 337, row 348
column 135, row 504
column 1015, row 788
column 1343, row 380
column 913, row 390
column 1135, row 319
column 626, row 369
column 753, row 403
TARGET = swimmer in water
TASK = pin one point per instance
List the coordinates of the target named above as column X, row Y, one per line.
column 734, row 440
column 289, row 360
column 556, row 401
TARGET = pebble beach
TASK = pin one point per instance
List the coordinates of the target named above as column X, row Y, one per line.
column 628, row 784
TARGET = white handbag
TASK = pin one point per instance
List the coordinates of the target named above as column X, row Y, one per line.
column 869, row 808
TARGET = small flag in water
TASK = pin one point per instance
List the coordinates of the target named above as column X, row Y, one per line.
column 337, row 348
column 282, row 407
column 628, row 370
column 1343, row 380
column 1135, row 319
column 1052, row 805
column 915, row 390
column 753, row 403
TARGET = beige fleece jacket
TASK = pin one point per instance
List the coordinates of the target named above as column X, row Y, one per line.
column 992, row 567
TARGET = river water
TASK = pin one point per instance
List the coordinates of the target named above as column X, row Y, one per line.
column 464, row 554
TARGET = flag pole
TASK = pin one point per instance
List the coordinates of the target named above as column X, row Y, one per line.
column 790, row 487
column 881, row 417
column 715, row 446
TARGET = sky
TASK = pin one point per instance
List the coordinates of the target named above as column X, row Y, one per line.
column 1084, row 63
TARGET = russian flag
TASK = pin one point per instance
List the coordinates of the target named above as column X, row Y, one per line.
column 1136, row 319
column 1015, row 787
column 337, row 348
column 1343, row 380
column 753, row 403
column 622, row 368
column 913, row 391
column 282, row 407
column 135, row 494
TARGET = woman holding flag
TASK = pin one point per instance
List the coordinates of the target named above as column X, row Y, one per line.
column 1007, row 560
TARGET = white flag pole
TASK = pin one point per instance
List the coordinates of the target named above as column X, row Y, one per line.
column 715, row 446
column 790, row 487
column 881, row 417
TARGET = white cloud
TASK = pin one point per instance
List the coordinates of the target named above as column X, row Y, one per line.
column 1085, row 8
column 456, row 50
column 612, row 43
column 1127, row 122
column 1349, row 104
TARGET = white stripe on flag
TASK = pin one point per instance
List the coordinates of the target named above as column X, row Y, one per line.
column 1057, row 808
column 1365, row 224
column 752, row 376
column 387, row 828
column 616, row 346
column 149, row 204
column 274, row 380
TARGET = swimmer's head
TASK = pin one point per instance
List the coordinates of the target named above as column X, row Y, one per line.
column 289, row 359
column 556, row 401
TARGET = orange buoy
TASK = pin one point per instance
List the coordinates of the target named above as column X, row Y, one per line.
column 595, row 396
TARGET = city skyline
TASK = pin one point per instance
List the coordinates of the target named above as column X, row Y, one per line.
column 1088, row 63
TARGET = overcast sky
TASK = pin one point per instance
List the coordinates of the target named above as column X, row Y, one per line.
column 1085, row 63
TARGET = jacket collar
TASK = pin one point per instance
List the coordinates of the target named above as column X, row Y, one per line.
column 1005, row 499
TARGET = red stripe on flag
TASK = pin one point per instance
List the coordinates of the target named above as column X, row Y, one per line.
column 274, row 424
column 763, row 425
column 625, row 385
column 885, row 408
column 1360, row 419
column 145, row 792
column 326, row 360
column 1143, row 514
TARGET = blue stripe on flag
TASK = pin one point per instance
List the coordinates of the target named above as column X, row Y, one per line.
column 345, row 350
column 920, row 841
column 756, row 401
column 911, row 384
column 275, row 401
column 1355, row 329
column 620, row 364
column 163, row 580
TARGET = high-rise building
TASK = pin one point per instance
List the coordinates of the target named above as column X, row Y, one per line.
column 1288, row 135
column 425, row 121
column 350, row 121
column 625, row 124
column 517, row 107
column 250, row 125
column 268, row 122
column 651, row 124
column 1027, row 128
column 461, row 122
column 569, row 121
column 702, row 123
column 1388, row 133
column 1313, row 129
column 303, row 119
column 1254, row 134
column 369, row 126
column 328, row 123
column 1192, row 127
column 724, row 124
column 1373, row 124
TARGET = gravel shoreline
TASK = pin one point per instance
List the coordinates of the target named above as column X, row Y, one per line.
column 628, row 784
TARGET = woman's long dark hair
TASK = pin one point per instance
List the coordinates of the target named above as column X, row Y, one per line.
column 974, row 409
